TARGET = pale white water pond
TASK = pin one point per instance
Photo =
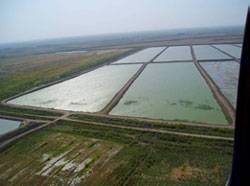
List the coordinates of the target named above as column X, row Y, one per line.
column 206, row 52
column 171, row 91
column 233, row 50
column 8, row 125
column 142, row 56
column 225, row 75
column 89, row 92
column 240, row 45
column 175, row 53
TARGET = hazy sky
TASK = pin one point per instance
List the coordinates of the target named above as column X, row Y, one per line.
column 22, row 20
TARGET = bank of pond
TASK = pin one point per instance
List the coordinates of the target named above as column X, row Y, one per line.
column 169, row 88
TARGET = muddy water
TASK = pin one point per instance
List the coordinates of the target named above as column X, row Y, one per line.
column 225, row 75
column 175, row 53
column 142, row 56
column 8, row 125
column 89, row 92
column 173, row 91
column 204, row 52
column 233, row 50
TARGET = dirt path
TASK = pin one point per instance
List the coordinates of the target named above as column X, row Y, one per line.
column 223, row 102
column 44, row 124
column 19, row 118
column 214, row 60
column 153, row 130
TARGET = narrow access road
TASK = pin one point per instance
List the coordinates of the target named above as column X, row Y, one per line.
column 41, row 126
column 153, row 130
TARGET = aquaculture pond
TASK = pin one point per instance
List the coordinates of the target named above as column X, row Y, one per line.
column 88, row 92
column 206, row 52
column 232, row 50
column 239, row 45
column 8, row 125
column 174, row 91
column 175, row 54
column 225, row 75
column 142, row 56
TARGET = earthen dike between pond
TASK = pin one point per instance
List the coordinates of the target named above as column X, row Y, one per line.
column 227, row 108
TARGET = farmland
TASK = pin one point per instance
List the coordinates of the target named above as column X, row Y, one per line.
column 73, row 152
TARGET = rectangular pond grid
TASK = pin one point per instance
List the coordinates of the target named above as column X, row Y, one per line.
column 171, row 91
column 142, row 56
column 206, row 52
column 230, row 49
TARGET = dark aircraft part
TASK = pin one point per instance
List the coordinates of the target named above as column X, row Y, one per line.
column 240, row 175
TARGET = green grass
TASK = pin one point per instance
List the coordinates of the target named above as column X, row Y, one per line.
column 145, row 158
column 156, row 155
column 225, row 132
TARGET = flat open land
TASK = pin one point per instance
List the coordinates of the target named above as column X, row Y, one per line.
column 137, row 86
column 153, row 113
column 74, row 153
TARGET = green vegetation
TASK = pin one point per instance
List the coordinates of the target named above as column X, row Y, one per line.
column 78, row 153
column 113, row 157
column 225, row 132
column 19, row 74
